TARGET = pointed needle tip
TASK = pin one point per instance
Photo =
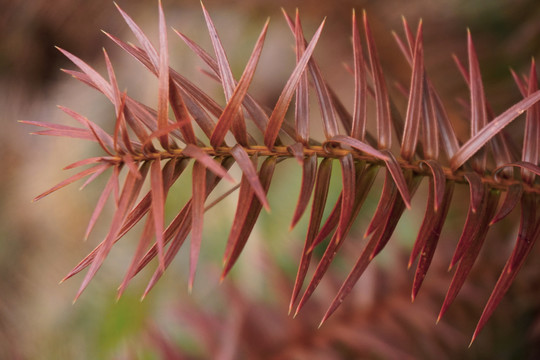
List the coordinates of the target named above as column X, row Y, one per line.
column 75, row 299
column 300, row 305
column 222, row 278
column 472, row 340
column 290, row 308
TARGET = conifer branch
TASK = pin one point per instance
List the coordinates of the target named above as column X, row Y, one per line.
column 428, row 149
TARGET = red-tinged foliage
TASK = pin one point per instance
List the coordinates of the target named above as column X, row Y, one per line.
column 181, row 113
column 434, row 115
column 197, row 209
column 72, row 179
column 322, row 184
column 193, row 96
column 526, row 231
column 142, row 38
column 513, row 195
column 177, row 231
column 383, row 206
column 227, row 80
column 244, row 197
column 324, row 97
column 412, row 119
column 397, row 206
column 114, row 84
column 301, row 113
column 102, row 137
column 430, row 133
column 254, row 206
column 250, row 172
column 87, row 161
column 97, row 80
column 475, row 216
column 163, row 76
column 257, row 114
column 474, row 245
column 345, row 204
column 531, row 141
column 363, row 182
column 429, row 237
column 101, row 203
column 358, row 269
column 123, row 146
column 425, row 227
column 158, row 207
column 309, row 169
column 142, row 246
column 384, row 128
column 439, row 182
column 359, row 120
column 320, row 271
column 201, row 156
column 477, row 142
column 523, row 247
column 231, row 113
column 360, row 146
column 395, row 171
column 478, row 104
column 278, row 114
column 423, row 133
column 71, row 132
column 131, row 189
column 180, row 227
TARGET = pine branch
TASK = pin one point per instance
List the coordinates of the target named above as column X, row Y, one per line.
column 428, row 149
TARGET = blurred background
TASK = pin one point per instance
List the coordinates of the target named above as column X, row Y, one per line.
column 246, row 316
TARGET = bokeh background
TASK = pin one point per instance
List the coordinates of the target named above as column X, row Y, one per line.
column 246, row 316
